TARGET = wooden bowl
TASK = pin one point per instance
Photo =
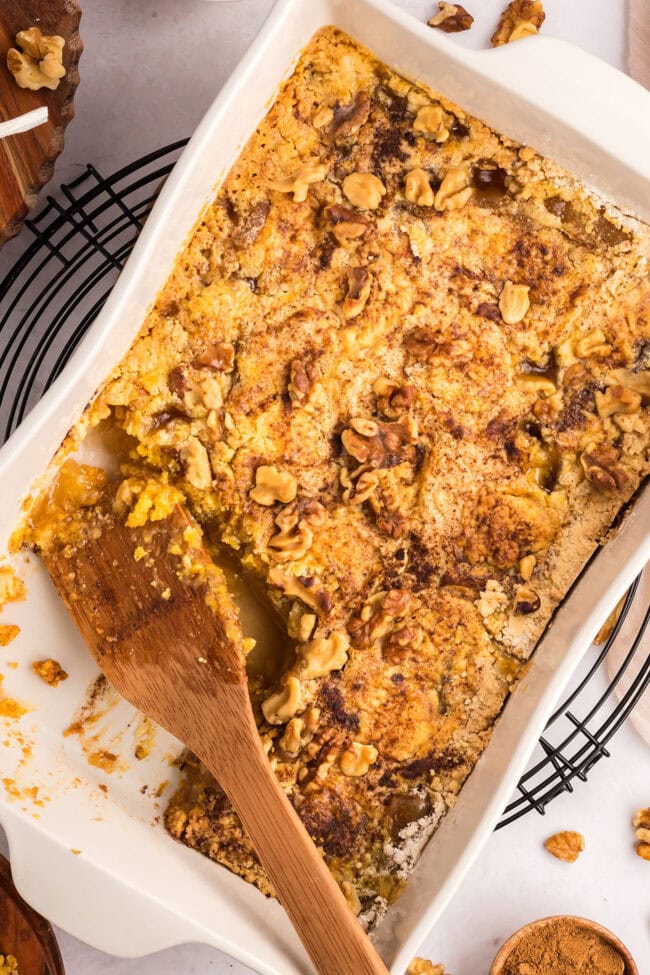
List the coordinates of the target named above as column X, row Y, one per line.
column 522, row 934
column 24, row 933
column 27, row 160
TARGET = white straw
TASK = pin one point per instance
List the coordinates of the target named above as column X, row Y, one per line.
column 23, row 123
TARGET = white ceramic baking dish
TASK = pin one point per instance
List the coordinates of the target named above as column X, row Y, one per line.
column 131, row 889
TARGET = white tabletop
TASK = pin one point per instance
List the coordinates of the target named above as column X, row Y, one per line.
column 149, row 71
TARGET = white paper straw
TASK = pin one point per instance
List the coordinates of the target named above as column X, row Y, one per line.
column 23, row 123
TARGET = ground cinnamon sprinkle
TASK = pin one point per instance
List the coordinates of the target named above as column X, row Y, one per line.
column 564, row 947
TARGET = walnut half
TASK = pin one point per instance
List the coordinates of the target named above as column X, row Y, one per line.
column 521, row 18
column 39, row 62
column 642, row 825
column 566, row 846
column 452, row 18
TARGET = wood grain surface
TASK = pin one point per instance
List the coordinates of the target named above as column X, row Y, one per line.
column 174, row 649
column 24, row 933
column 27, row 160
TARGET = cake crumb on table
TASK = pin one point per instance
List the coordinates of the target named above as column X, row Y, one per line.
column 50, row 671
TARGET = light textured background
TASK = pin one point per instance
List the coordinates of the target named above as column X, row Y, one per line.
column 149, row 71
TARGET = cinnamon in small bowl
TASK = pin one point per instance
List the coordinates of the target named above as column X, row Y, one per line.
column 563, row 945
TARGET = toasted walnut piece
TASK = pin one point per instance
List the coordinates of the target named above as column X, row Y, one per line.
column 219, row 356
column 592, row 346
column 50, row 671
column 643, row 850
column 422, row 966
column 348, row 119
column 526, row 567
column 351, row 896
column 617, row 399
column 452, row 18
column 292, row 543
column 526, row 601
column 642, row 824
column 303, row 377
column 322, row 656
column 430, row 121
column 272, row 485
column 638, row 382
column 364, row 426
column 39, row 63
column 454, row 191
column 357, row 759
column 417, row 188
column 390, row 446
column 345, row 224
column 322, row 117
column 195, row 460
column 600, row 464
column 290, row 740
column 514, row 302
column 299, row 181
column 566, row 846
column 364, row 190
column 642, row 819
column 305, row 626
column 528, row 382
column 359, row 287
column 306, row 588
column 521, row 18
column 400, row 643
column 393, row 399
column 279, row 707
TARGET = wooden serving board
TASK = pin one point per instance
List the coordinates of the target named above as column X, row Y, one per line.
column 27, row 160
column 24, row 933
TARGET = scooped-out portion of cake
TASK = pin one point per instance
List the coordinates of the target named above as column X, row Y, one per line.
column 401, row 375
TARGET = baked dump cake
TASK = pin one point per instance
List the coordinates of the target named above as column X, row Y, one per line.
column 400, row 374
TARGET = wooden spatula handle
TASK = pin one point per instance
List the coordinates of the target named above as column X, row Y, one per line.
column 331, row 934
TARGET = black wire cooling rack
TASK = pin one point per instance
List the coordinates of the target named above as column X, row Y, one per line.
column 81, row 239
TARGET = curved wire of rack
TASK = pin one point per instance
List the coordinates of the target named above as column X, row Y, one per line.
column 52, row 293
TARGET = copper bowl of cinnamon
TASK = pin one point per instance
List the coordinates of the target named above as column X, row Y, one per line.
column 555, row 945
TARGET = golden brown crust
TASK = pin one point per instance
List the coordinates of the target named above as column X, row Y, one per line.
column 443, row 467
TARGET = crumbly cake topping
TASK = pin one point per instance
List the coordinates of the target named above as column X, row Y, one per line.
column 400, row 373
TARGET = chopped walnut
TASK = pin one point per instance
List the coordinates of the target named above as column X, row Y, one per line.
column 521, row 18
column 50, row 671
column 638, row 382
column 320, row 657
column 617, row 399
column 303, row 377
column 195, row 460
column 39, row 63
column 526, row 601
column 296, row 523
column 393, row 399
column 400, row 643
column 378, row 615
column 389, row 446
column 430, row 121
column 566, row 846
column 357, row 759
column 272, row 485
column 279, row 707
column 417, row 188
column 219, row 356
column 290, row 740
column 345, row 224
column 322, row 117
column 426, row 345
column 306, row 588
column 359, row 286
column 452, row 18
column 526, row 567
column 299, row 181
column 364, row 190
column 422, row 966
column 592, row 346
column 514, row 303
column 454, row 191
column 642, row 825
column 600, row 464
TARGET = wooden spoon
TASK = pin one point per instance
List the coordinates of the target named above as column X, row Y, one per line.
column 166, row 633
column 24, row 933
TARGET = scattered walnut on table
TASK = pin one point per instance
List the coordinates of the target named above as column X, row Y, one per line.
column 50, row 671
column 521, row 18
column 452, row 18
column 642, row 825
column 566, row 846
column 39, row 63
column 422, row 966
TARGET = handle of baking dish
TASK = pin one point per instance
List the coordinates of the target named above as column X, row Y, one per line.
column 607, row 143
column 65, row 887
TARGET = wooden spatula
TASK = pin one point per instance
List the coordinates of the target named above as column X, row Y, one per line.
column 157, row 616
